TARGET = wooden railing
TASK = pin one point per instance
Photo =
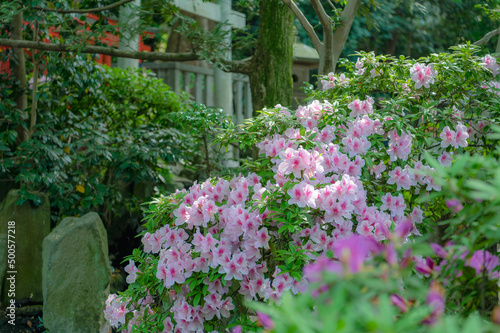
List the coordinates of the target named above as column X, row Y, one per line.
column 199, row 83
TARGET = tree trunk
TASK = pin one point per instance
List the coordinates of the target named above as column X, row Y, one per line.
column 271, row 76
column 341, row 33
column 391, row 44
column 19, row 71
column 408, row 44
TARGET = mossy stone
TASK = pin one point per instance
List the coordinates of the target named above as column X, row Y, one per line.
column 76, row 276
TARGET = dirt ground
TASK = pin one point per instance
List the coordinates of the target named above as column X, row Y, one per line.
column 27, row 320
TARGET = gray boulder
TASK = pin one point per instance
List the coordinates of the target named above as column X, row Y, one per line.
column 31, row 225
column 76, row 276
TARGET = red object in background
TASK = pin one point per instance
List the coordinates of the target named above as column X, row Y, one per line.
column 5, row 65
column 110, row 40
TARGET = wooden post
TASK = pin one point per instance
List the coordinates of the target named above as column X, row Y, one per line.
column 187, row 81
column 248, row 101
column 209, row 90
column 199, row 88
column 174, row 79
column 238, row 86
column 129, row 40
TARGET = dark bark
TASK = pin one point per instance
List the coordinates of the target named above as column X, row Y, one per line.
column 174, row 40
column 271, row 76
column 391, row 44
column 19, row 72
column 408, row 45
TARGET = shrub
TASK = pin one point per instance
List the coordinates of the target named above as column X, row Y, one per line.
column 348, row 167
column 100, row 131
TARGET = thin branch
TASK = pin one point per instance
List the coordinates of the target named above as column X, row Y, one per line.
column 84, row 11
column 487, row 37
column 99, row 50
column 341, row 33
column 324, row 19
column 331, row 5
column 235, row 66
column 318, row 45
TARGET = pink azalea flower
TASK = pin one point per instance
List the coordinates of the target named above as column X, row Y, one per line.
column 448, row 136
column 116, row 310
column 484, row 261
column 461, row 136
column 132, row 271
column 399, row 146
column 168, row 326
column 491, row 63
column 329, row 83
column 227, row 305
column 313, row 271
column 265, row 321
column 422, row 75
column 343, row 80
column 399, row 302
column 353, row 251
column 401, row 177
column 424, row 266
column 439, row 250
column 358, row 107
column 359, row 66
column 364, row 228
column 455, row 204
column 417, row 215
column 455, row 139
column 396, row 205
column 436, row 299
column 377, row 169
column 303, row 194
column 445, row 159
column 172, row 274
column 145, row 242
column 261, row 239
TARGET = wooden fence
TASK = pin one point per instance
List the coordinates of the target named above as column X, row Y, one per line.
column 199, row 83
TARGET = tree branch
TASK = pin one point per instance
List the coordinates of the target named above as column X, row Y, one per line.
column 99, row 50
column 487, row 37
column 83, row 11
column 318, row 45
column 238, row 66
column 324, row 19
column 332, row 5
column 341, row 33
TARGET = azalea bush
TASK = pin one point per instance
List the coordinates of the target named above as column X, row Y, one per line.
column 468, row 263
column 372, row 287
column 337, row 181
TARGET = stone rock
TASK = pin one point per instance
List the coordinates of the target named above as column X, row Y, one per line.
column 32, row 225
column 76, row 276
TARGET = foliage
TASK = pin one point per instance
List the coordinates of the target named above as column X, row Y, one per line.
column 383, row 296
column 471, row 192
column 413, row 28
column 344, row 177
column 100, row 131
column 203, row 124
